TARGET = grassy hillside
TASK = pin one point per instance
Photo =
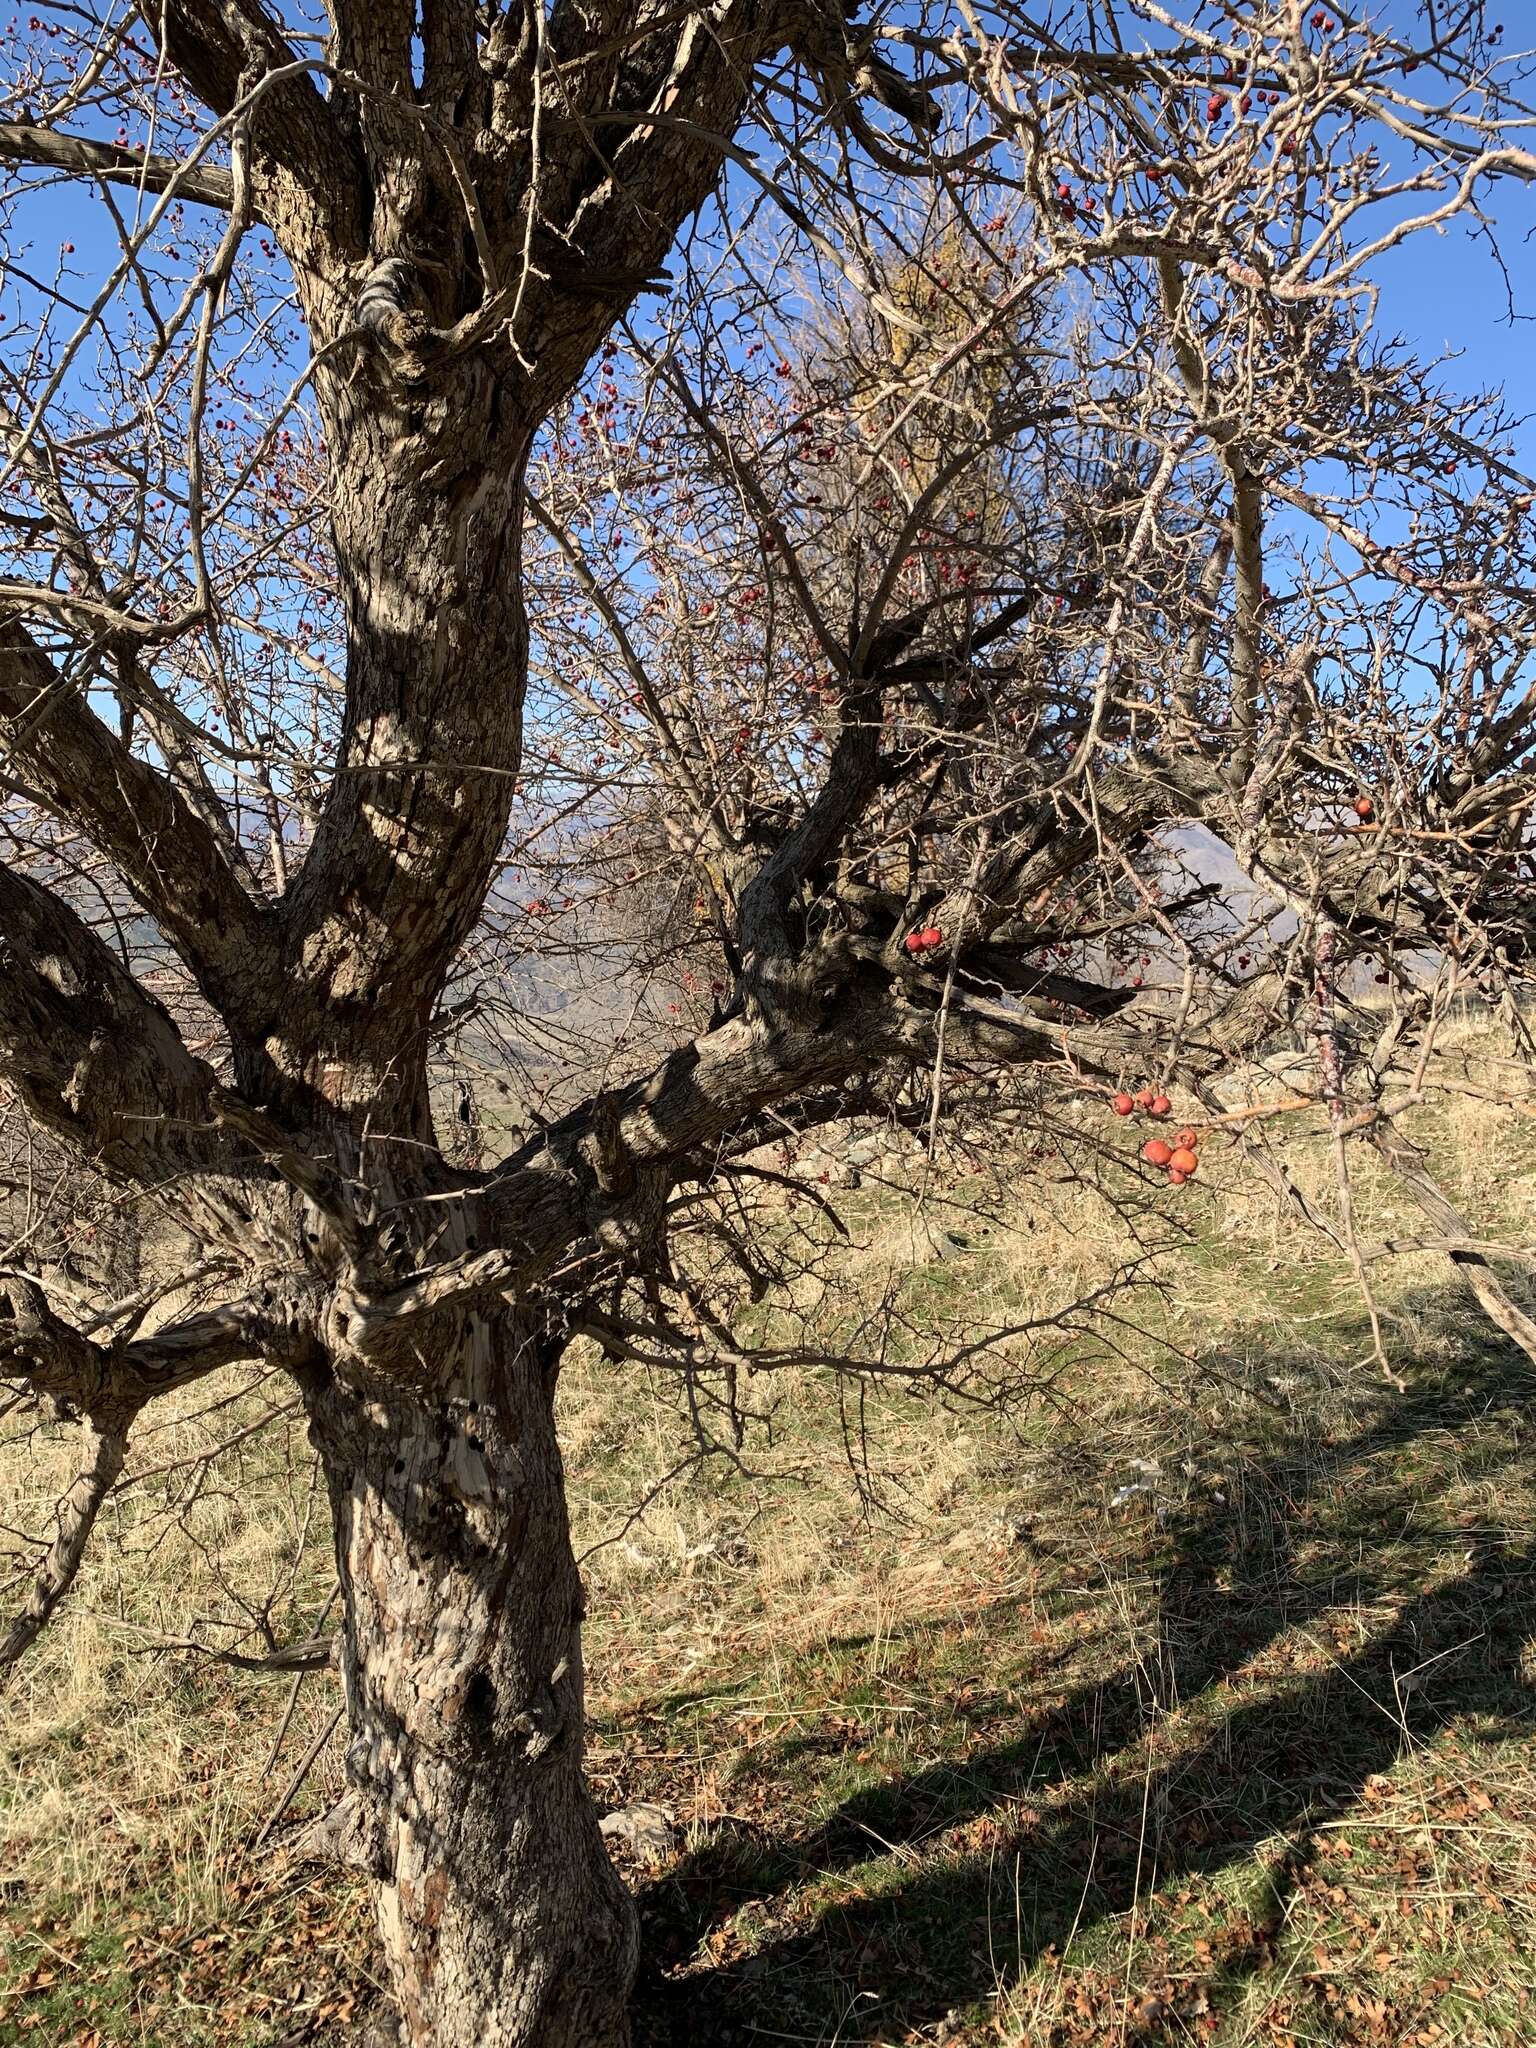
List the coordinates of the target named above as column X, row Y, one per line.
column 1189, row 1701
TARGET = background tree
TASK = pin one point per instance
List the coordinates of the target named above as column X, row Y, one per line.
column 1010, row 479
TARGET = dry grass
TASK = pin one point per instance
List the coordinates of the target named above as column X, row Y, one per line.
column 1190, row 1701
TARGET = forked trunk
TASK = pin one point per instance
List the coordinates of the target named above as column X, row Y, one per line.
column 502, row 1921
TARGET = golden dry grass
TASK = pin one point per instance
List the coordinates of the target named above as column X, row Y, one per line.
column 909, row 1706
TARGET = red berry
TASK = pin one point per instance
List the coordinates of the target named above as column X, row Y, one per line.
column 1156, row 1153
column 1159, row 1106
column 1187, row 1137
column 1365, row 810
column 1122, row 1105
column 1176, row 1179
column 1183, row 1161
column 1144, row 1098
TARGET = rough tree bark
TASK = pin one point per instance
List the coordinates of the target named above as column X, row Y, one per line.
column 501, row 1919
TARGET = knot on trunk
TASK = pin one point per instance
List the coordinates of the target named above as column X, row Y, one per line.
column 844, row 56
column 65, row 1368
column 351, row 1834
column 383, row 309
column 541, row 1723
column 624, row 1203
column 635, row 1230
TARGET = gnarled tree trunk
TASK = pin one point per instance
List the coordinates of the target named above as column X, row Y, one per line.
column 502, row 1921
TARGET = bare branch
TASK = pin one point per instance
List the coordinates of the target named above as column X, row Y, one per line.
column 23, row 142
column 75, row 1516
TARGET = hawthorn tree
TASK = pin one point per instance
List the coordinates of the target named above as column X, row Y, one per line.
column 988, row 468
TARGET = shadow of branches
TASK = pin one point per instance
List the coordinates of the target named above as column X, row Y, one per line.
column 1234, row 1729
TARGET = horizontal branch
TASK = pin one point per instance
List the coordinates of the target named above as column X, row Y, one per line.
column 566, row 1187
column 22, row 142
column 1473, row 1247
column 313, row 1653
column 108, row 1384
column 111, row 1382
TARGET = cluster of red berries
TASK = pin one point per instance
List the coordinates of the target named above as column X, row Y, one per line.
column 1181, row 1159
column 923, row 941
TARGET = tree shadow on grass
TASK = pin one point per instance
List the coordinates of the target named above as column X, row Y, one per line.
column 1217, row 1749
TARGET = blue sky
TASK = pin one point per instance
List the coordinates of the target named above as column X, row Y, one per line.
column 1446, row 291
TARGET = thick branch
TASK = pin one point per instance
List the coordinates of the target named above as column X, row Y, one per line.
column 429, row 509
column 306, row 176
column 76, row 1515
column 111, row 1382
column 601, row 246
column 22, row 142
column 169, row 857
column 853, row 776
column 95, row 1059
column 549, row 1197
